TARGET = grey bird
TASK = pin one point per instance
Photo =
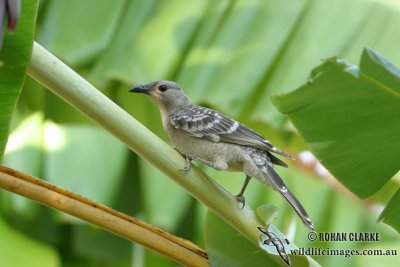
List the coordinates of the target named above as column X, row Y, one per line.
column 213, row 139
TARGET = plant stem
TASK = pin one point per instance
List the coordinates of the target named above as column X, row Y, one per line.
column 177, row 249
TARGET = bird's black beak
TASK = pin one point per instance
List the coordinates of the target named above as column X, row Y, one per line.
column 141, row 88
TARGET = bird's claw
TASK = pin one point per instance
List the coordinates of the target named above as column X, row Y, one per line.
column 241, row 200
column 186, row 169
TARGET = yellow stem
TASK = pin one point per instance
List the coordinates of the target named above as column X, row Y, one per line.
column 173, row 247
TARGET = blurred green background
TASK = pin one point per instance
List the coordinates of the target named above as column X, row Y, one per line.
column 228, row 55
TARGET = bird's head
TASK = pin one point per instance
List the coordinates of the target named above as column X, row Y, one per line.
column 166, row 94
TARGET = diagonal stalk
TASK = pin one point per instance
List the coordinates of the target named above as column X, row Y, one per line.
column 175, row 248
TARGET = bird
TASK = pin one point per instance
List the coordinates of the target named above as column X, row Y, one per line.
column 215, row 140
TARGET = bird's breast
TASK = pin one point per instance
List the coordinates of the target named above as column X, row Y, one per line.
column 207, row 150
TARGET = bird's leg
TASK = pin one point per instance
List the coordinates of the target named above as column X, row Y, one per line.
column 188, row 161
column 239, row 197
column 187, row 165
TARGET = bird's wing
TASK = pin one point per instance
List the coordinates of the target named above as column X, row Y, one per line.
column 205, row 123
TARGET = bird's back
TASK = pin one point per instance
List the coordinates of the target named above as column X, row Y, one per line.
column 204, row 123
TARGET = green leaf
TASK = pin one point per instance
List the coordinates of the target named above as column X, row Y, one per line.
column 14, row 58
column 78, row 31
column 391, row 215
column 150, row 53
column 25, row 144
column 54, row 152
column 319, row 34
column 349, row 117
column 24, row 152
column 91, row 242
column 84, row 160
column 236, row 55
column 19, row 250
column 267, row 213
column 164, row 201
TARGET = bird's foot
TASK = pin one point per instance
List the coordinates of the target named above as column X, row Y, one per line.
column 239, row 197
column 186, row 169
column 241, row 200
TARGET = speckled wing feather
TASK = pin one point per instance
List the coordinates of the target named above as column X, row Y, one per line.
column 206, row 123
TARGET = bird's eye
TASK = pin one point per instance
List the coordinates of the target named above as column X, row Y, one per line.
column 163, row 88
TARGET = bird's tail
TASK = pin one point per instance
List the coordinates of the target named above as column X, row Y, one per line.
column 278, row 185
